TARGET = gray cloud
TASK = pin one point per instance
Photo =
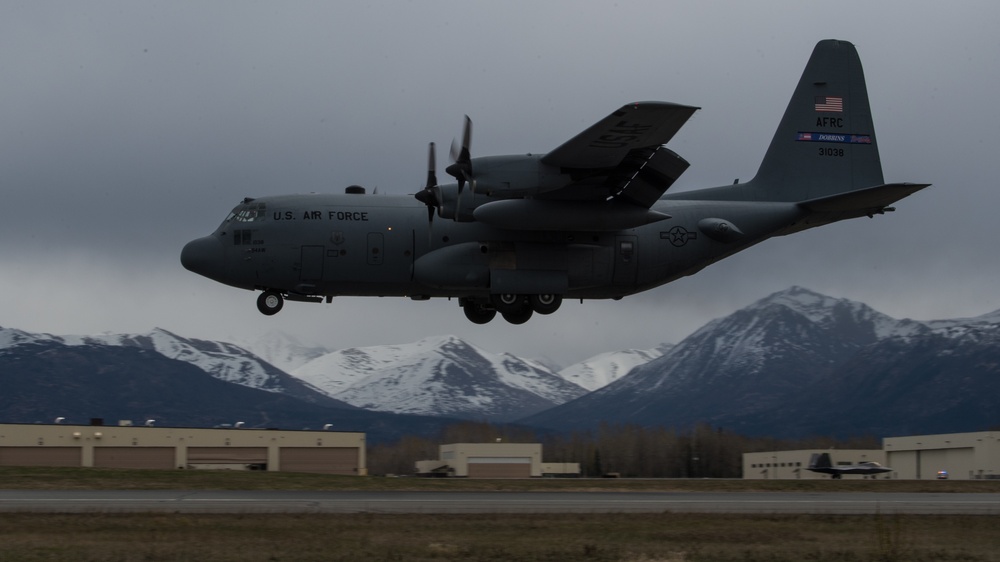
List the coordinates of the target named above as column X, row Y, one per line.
column 127, row 129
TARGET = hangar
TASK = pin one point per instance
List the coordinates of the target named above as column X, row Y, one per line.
column 956, row 456
column 793, row 465
column 961, row 456
column 494, row 460
column 127, row 446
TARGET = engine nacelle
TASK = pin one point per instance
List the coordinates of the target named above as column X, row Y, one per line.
column 456, row 206
column 504, row 177
column 496, row 178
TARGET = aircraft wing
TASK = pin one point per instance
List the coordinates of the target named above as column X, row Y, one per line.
column 605, row 144
column 622, row 157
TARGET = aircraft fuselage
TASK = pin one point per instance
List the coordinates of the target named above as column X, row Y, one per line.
column 377, row 245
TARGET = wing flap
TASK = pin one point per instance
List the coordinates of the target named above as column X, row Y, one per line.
column 647, row 181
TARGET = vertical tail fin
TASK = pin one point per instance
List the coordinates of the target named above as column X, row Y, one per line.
column 825, row 143
column 820, row 460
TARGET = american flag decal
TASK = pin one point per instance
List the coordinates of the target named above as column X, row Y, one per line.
column 830, row 104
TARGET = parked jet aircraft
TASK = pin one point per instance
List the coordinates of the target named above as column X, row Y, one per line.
column 588, row 220
column 820, row 462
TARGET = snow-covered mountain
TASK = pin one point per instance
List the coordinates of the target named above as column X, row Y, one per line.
column 791, row 364
column 779, row 367
column 284, row 351
column 605, row 368
column 224, row 361
column 45, row 378
column 443, row 376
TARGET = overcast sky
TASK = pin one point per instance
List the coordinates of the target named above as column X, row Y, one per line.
column 129, row 128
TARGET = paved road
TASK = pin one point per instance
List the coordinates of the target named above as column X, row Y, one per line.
column 128, row 501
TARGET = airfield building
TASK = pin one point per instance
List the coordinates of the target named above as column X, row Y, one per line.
column 793, row 465
column 128, row 446
column 955, row 456
column 494, row 460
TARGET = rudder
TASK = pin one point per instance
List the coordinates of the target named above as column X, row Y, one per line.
column 820, row 460
column 825, row 143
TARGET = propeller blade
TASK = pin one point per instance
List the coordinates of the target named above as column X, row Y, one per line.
column 461, row 169
column 464, row 156
column 428, row 195
column 454, row 151
column 432, row 180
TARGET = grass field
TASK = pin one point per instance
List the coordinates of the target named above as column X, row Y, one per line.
column 615, row 537
column 661, row 537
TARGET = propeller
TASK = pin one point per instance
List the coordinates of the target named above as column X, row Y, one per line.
column 428, row 195
column 461, row 169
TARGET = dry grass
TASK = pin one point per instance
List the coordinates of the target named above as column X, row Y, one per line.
column 616, row 537
column 541, row 537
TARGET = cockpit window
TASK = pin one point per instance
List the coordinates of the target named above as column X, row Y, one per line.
column 249, row 212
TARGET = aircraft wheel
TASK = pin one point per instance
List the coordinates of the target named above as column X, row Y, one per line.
column 479, row 314
column 518, row 316
column 545, row 304
column 509, row 302
column 270, row 302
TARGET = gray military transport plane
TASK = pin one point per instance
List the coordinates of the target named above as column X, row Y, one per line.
column 589, row 220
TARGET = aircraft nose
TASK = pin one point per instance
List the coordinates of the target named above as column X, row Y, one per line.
column 204, row 256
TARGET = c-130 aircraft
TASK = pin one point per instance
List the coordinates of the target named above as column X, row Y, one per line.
column 589, row 220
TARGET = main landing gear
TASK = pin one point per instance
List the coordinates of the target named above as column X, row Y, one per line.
column 516, row 309
column 270, row 302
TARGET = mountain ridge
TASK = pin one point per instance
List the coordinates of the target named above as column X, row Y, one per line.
column 440, row 375
column 778, row 367
column 791, row 363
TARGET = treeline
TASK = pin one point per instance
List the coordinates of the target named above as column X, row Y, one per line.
column 630, row 451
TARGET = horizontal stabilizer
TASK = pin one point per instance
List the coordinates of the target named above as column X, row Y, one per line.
column 863, row 201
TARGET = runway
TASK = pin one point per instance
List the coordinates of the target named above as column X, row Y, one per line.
column 237, row 502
